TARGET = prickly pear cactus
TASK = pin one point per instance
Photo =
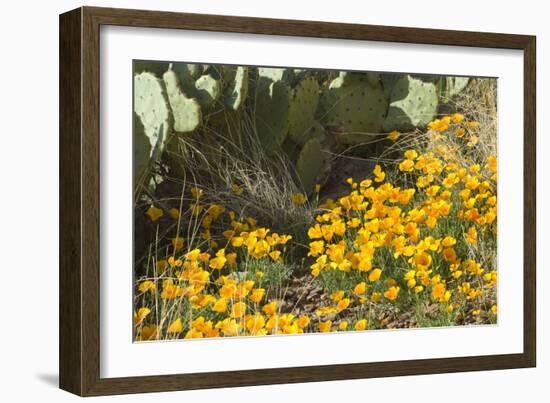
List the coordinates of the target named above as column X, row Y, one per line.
column 354, row 103
column 151, row 105
column 275, row 73
column 298, row 75
column 157, row 68
column 186, row 111
column 373, row 79
column 303, row 105
column 198, row 81
column 237, row 89
column 316, row 131
column 309, row 164
column 413, row 103
column 271, row 112
column 142, row 149
column 451, row 86
column 388, row 81
column 208, row 90
column 187, row 72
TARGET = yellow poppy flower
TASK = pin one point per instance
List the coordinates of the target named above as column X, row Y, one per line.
column 231, row 258
column 196, row 192
column 148, row 333
column 254, row 323
column 375, row 274
column 140, row 315
column 178, row 242
column 154, row 213
column 174, row 213
column 471, row 236
column 257, row 294
column 361, row 324
column 175, row 327
column 299, row 198
column 270, row 308
column 457, row 117
column 238, row 310
column 325, row 326
column 360, row 288
column 275, row 255
column 161, row 266
column 438, row 291
column 303, row 321
column 392, row 293
column 343, row 304
column 220, row 305
column 379, row 175
column 406, row 166
column 147, row 285
column 337, row 295
column 237, row 189
column 394, row 135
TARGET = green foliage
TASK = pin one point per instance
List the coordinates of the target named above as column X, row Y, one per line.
column 199, row 82
column 142, row 149
column 388, row 81
column 157, row 68
column 274, row 73
column 303, row 105
column 309, row 164
column 151, row 105
column 187, row 73
column 207, row 91
column 186, row 111
column 288, row 107
column 451, row 86
column 354, row 103
column 413, row 103
column 236, row 79
column 271, row 112
column 274, row 273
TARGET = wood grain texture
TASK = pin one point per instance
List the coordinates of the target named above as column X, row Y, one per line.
column 80, row 200
column 530, row 202
column 70, row 271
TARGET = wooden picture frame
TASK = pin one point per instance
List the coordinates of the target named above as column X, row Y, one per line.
column 79, row 347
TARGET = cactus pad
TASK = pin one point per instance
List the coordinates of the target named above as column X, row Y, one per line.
column 451, row 86
column 413, row 104
column 198, row 81
column 354, row 103
column 142, row 149
column 309, row 164
column 271, row 112
column 303, row 105
column 187, row 71
column 157, row 68
column 186, row 111
column 151, row 105
column 274, row 73
column 208, row 90
column 237, row 88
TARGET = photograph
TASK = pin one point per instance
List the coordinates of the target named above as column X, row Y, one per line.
column 275, row 200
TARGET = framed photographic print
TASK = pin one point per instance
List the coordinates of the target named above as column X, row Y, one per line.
column 250, row 201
